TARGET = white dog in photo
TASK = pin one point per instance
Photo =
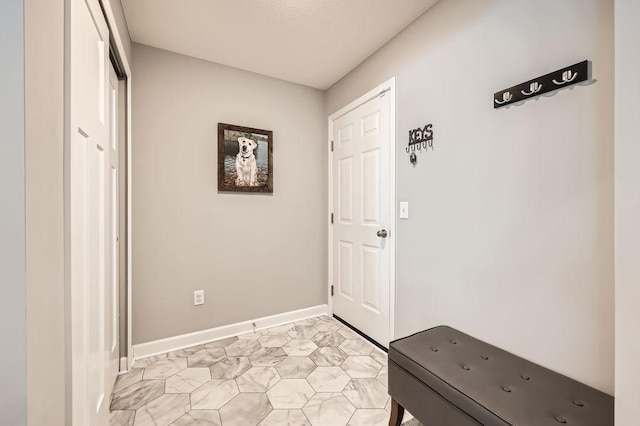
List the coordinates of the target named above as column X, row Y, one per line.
column 246, row 166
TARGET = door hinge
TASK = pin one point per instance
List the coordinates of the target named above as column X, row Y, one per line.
column 331, row 290
column 331, row 146
column 332, row 218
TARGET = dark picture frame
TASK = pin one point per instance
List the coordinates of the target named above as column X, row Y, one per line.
column 245, row 159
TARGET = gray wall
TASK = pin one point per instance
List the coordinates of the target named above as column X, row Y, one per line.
column 48, row 398
column 627, row 248
column 13, row 374
column 254, row 255
column 510, row 236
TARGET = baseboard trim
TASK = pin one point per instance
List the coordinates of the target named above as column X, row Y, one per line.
column 157, row 347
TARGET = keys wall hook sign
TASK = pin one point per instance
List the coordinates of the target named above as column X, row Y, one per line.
column 547, row 83
column 419, row 139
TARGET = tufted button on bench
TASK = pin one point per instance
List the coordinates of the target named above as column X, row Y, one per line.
column 447, row 378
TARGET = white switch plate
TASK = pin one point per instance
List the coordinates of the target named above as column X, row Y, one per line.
column 198, row 297
column 404, row 210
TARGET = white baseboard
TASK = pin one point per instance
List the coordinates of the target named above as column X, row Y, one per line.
column 182, row 341
column 124, row 366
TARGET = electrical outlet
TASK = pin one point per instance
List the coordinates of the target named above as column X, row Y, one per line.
column 198, row 297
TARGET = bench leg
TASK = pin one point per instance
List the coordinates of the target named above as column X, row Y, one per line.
column 397, row 412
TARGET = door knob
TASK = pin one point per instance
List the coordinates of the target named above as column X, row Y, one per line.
column 382, row 233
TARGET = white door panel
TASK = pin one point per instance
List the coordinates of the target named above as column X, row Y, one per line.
column 361, row 198
column 90, row 215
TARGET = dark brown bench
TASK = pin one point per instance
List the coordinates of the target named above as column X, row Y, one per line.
column 447, row 378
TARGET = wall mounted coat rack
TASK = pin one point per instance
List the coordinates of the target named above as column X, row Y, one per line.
column 538, row 86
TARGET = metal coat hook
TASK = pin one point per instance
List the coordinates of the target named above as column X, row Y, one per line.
column 506, row 97
column 534, row 87
column 566, row 78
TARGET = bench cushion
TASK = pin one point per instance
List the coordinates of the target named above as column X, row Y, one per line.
column 495, row 387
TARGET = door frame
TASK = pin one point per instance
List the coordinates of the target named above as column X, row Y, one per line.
column 390, row 87
column 119, row 44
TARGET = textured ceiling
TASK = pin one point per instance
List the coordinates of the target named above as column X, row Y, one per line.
column 311, row 42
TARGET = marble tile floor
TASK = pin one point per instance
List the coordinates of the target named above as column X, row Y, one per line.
column 313, row 372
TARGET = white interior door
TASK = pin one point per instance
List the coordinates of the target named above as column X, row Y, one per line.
column 361, row 205
column 91, row 236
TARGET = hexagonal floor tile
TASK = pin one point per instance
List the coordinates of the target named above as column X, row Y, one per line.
column 308, row 321
column 290, row 393
column 299, row 347
column 328, row 338
column 230, row 368
column 121, row 418
column 328, row 379
column 200, row 418
column 258, row 379
column 328, row 409
column 242, row 347
column 327, row 325
column 206, row 357
column 303, row 332
column 136, row 395
column 348, row 333
column 295, row 367
column 274, row 340
column 366, row 393
column 267, row 357
column 123, row 380
column 222, row 343
column 369, row 417
column 285, row 417
column 186, row 352
column 379, row 356
column 356, row 347
column 280, row 329
column 213, row 394
column 383, row 376
column 164, row 410
column 145, row 362
column 165, row 368
column 328, row 357
column 246, row 409
column 361, row 367
column 187, row 380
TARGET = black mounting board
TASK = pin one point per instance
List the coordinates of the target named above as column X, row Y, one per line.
column 560, row 79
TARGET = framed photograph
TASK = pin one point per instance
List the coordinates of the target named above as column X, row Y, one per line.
column 245, row 159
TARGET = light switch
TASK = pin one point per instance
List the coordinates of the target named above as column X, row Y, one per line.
column 404, row 210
